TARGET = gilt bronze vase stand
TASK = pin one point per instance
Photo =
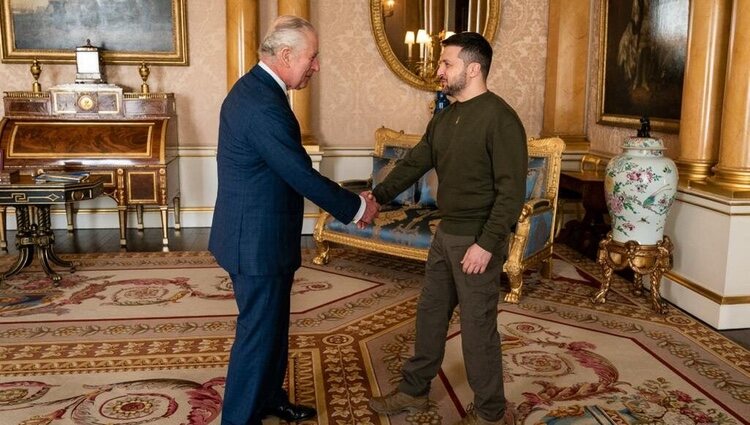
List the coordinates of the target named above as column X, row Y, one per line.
column 651, row 260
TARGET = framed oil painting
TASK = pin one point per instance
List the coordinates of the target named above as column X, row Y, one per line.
column 643, row 45
column 127, row 31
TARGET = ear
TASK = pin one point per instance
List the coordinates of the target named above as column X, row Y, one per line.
column 474, row 69
column 286, row 56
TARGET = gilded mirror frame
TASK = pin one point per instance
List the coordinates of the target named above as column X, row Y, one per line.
column 398, row 68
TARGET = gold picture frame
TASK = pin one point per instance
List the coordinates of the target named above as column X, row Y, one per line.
column 642, row 51
column 127, row 31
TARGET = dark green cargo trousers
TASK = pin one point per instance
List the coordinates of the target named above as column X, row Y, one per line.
column 477, row 295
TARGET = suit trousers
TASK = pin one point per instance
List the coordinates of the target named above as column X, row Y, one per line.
column 259, row 356
column 447, row 286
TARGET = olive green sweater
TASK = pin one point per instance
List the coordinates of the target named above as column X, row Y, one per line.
column 478, row 148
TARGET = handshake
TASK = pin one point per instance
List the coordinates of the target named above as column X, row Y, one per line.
column 372, row 208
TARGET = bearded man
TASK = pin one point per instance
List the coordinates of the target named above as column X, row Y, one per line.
column 477, row 146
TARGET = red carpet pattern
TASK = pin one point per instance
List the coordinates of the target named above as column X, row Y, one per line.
column 143, row 338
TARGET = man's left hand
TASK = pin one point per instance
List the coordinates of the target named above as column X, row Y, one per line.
column 372, row 208
column 475, row 260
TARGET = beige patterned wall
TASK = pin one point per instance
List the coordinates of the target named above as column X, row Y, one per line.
column 356, row 93
column 199, row 88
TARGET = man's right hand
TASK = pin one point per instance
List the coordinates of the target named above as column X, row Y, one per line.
column 372, row 208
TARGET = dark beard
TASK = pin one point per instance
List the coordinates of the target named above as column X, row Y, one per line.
column 457, row 86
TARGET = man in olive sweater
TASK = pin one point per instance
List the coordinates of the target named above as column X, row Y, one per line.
column 477, row 145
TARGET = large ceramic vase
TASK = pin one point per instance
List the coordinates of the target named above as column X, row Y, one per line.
column 640, row 185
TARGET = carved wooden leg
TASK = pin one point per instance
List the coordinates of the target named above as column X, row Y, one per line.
column 122, row 212
column 3, row 234
column 515, row 277
column 637, row 289
column 44, row 240
column 659, row 305
column 139, row 217
column 44, row 261
column 164, row 232
column 547, row 268
column 323, row 253
column 601, row 296
column 24, row 242
column 70, row 214
column 176, row 203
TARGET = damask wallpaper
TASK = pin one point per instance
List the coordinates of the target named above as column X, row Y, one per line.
column 355, row 92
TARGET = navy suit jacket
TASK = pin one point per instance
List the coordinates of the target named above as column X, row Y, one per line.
column 264, row 173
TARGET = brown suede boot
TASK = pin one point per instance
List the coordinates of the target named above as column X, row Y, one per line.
column 397, row 402
column 471, row 418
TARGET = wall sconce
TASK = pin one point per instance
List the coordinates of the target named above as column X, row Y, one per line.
column 409, row 40
column 423, row 39
column 388, row 7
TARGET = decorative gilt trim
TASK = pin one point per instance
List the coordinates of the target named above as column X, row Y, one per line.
column 26, row 94
column 370, row 245
column 158, row 96
column 385, row 50
column 691, row 171
column 594, row 162
column 147, row 147
column 179, row 56
column 732, row 183
column 714, row 188
column 385, row 137
column 694, row 192
column 154, row 188
column 146, row 208
column 574, row 143
column 707, row 293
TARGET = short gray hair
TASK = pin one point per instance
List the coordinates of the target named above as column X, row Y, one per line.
column 285, row 31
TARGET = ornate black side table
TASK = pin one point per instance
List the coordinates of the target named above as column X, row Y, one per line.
column 34, row 230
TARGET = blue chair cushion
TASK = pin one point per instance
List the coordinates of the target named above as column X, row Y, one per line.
column 532, row 175
column 536, row 177
column 381, row 167
column 541, row 228
column 395, row 152
column 427, row 187
column 412, row 226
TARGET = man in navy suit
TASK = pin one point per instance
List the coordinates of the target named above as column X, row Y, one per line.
column 264, row 173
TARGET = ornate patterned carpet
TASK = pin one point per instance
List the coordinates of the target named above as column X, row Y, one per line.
column 143, row 338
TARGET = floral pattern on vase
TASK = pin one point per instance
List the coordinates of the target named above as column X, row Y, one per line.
column 640, row 186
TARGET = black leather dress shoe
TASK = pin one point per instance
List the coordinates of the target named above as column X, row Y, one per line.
column 291, row 412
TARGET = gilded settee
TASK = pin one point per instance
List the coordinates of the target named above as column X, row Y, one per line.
column 405, row 227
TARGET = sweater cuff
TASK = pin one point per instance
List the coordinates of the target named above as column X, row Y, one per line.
column 491, row 244
column 379, row 196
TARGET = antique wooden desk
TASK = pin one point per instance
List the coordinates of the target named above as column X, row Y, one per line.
column 584, row 235
column 127, row 139
column 34, row 230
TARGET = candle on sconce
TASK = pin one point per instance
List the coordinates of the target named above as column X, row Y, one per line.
column 422, row 39
column 409, row 40
column 429, row 22
column 446, row 35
